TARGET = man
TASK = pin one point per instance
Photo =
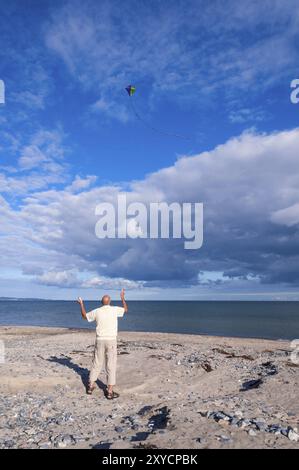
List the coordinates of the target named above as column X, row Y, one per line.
column 106, row 341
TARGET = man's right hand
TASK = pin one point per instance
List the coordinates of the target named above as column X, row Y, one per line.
column 122, row 296
column 83, row 311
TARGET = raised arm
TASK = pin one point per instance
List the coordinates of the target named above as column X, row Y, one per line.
column 122, row 296
column 83, row 311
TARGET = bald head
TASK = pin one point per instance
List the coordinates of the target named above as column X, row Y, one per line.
column 106, row 300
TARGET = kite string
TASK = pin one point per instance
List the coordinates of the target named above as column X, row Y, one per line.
column 160, row 131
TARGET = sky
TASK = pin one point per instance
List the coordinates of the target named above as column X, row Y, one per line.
column 218, row 72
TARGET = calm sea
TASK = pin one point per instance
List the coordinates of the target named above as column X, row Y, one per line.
column 245, row 319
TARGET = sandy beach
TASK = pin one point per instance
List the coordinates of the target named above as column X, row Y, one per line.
column 176, row 391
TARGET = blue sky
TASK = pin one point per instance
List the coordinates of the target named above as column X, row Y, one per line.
column 218, row 72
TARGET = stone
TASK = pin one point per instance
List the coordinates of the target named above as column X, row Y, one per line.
column 60, row 444
column 9, row 444
column 224, row 438
column 284, row 431
column 270, row 368
column 160, row 420
column 219, row 415
column 119, row 429
column 234, row 421
column 243, row 423
column 44, row 445
column 145, row 410
column 79, row 438
column 30, row 432
column 207, row 366
column 260, row 425
column 292, row 435
column 274, row 428
column 63, row 441
column 251, row 384
column 140, row 436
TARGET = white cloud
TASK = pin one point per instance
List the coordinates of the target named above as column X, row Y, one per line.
column 181, row 52
column 243, row 115
column 32, row 157
column 29, row 99
column 111, row 108
column 242, row 183
column 41, row 163
column 288, row 216
column 111, row 283
column 72, row 279
column 22, row 185
column 81, row 183
column 61, row 279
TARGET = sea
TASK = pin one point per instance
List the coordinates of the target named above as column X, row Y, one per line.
column 248, row 319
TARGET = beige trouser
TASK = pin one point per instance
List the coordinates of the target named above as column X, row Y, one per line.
column 105, row 351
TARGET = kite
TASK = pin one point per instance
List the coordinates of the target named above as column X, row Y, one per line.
column 131, row 90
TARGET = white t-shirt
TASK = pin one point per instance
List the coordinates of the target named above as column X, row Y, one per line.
column 106, row 320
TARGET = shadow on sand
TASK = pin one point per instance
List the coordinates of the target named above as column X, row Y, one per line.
column 81, row 371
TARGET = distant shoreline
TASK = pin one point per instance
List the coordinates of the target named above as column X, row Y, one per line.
column 254, row 319
column 66, row 329
column 30, row 299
